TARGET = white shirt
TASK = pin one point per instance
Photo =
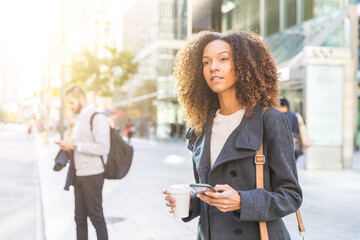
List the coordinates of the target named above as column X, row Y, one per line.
column 223, row 126
column 91, row 144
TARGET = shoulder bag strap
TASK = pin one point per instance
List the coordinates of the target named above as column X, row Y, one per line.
column 259, row 168
column 91, row 127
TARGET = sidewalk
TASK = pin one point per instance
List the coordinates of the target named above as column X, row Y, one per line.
column 135, row 209
column 330, row 208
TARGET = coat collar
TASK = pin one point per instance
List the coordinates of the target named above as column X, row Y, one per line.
column 242, row 142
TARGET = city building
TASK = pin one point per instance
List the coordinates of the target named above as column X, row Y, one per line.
column 316, row 47
column 156, row 36
column 291, row 28
column 93, row 25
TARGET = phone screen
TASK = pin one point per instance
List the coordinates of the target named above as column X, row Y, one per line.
column 201, row 188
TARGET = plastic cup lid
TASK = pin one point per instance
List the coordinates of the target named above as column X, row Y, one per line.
column 179, row 188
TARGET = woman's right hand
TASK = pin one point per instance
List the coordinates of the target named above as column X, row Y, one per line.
column 171, row 201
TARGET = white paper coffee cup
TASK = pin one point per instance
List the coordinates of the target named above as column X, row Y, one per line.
column 181, row 193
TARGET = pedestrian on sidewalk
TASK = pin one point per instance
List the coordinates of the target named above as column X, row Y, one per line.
column 224, row 82
column 284, row 107
column 130, row 129
column 88, row 146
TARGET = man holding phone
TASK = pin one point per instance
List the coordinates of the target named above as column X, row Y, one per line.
column 88, row 146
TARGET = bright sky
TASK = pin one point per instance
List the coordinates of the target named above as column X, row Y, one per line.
column 24, row 29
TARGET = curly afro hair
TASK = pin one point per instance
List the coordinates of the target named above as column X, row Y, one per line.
column 255, row 71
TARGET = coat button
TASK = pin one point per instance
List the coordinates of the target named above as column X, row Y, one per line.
column 233, row 174
column 238, row 231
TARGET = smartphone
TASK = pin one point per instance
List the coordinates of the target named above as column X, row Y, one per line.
column 201, row 187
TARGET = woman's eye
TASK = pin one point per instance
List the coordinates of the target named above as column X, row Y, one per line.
column 206, row 63
column 223, row 59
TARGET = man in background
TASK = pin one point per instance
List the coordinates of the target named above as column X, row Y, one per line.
column 88, row 146
column 285, row 108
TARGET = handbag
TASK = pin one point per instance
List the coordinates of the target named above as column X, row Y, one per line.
column 259, row 168
column 304, row 136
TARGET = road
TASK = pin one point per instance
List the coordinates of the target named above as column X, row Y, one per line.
column 20, row 205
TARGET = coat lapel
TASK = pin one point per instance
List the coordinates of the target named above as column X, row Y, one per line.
column 245, row 140
column 201, row 151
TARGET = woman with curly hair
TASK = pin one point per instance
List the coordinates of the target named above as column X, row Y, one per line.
column 224, row 82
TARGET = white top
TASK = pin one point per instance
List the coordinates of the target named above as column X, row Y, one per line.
column 223, row 126
column 90, row 145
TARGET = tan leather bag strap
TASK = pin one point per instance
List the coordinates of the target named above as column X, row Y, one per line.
column 300, row 224
column 259, row 168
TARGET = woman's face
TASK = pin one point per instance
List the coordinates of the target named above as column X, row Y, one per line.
column 218, row 67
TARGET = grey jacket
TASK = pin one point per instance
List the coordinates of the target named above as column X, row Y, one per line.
column 235, row 166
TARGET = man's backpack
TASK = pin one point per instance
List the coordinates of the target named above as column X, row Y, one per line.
column 120, row 155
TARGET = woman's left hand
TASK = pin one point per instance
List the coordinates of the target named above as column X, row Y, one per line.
column 226, row 200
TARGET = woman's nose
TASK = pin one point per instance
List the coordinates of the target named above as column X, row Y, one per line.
column 214, row 66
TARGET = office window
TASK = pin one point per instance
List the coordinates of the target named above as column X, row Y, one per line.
column 172, row 19
column 307, row 10
column 272, row 16
column 166, row 60
column 241, row 14
column 326, row 6
column 290, row 13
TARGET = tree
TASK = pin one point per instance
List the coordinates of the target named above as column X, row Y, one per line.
column 2, row 115
column 123, row 60
column 102, row 75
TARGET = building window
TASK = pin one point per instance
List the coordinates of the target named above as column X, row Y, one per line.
column 290, row 13
column 172, row 19
column 166, row 59
column 165, row 81
column 272, row 17
column 307, row 10
column 241, row 14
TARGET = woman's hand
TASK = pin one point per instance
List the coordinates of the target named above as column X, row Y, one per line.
column 171, row 200
column 226, row 200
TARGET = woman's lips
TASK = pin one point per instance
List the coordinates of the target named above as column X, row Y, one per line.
column 216, row 78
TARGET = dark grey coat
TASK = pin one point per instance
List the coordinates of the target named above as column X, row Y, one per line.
column 235, row 166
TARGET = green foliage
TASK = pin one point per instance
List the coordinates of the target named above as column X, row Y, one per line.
column 2, row 115
column 97, row 74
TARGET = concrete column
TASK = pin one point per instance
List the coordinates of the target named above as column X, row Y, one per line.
column 189, row 19
column 330, row 101
column 282, row 16
column 262, row 18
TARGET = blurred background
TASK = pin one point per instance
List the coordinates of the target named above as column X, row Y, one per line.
column 121, row 52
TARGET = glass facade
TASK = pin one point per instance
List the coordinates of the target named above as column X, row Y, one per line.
column 272, row 17
column 307, row 10
column 285, row 45
column 326, row 6
column 241, row 14
column 201, row 15
column 172, row 25
column 290, row 13
column 246, row 14
column 172, row 19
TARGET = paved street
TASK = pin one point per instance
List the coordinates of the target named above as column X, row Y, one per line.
column 20, row 206
column 134, row 207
